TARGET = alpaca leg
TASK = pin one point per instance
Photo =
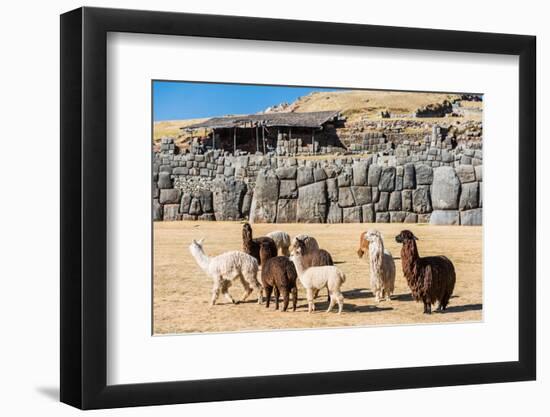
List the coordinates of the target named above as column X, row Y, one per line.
column 315, row 293
column 340, row 299
column 331, row 304
column 225, row 292
column 247, row 288
column 294, row 297
column 284, row 293
column 276, row 294
column 215, row 292
column 268, row 290
column 260, row 294
column 309, row 296
column 427, row 307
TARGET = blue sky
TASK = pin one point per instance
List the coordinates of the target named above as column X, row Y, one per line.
column 173, row 100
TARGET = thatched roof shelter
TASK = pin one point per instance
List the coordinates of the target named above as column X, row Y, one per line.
column 311, row 119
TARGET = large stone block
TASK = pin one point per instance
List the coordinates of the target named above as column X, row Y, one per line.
column 170, row 196
column 397, row 216
column 479, row 172
column 409, row 177
column 264, row 201
column 374, row 175
column 185, row 203
column 411, row 218
column 406, row 200
column 421, row 199
column 304, row 176
column 445, row 189
column 352, row 214
column 334, row 213
column 164, row 181
column 395, row 201
column 387, row 179
column 468, row 196
column 424, row 174
column 360, row 173
column 445, row 217
column 171, row 212
column 361, row 194
column 369, row 215
column 312, row 203
column 195, row 207
column 205, row 197
column 319, row 174
column 286, row 211
column 228, row 198
column 344, row 179
column 471, row 217
column 383, row 217
column 181, row 171
column 383, row 201
column 157, row 210
column 247, row 204
column 332, row 189
column 345, row 197
column 288, row 189
column 286, row 173
column 465, row 173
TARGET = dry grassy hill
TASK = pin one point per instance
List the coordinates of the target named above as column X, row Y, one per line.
column 355, row 105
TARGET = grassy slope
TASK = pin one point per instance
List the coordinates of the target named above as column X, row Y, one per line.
column 354, row 104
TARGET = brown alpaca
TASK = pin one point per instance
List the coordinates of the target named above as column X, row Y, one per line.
column 252, row 246
column 363, row 245
column 431, row 278
column 279, row 274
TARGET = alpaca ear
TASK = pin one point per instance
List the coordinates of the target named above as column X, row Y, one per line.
column 200, row 242
column 415, row 238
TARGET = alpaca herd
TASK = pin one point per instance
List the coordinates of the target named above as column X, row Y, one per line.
column 260, row 267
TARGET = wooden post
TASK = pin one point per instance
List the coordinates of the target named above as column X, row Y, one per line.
column 289, row 133
column 313, row 141
column 234, row 140
column 263, row 138
column 257, row 144
column 213, row 138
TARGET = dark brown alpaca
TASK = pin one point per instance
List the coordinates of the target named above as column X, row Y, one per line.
column 319, row 257
column 279, row 274
column 431, row 278
column 252, row 246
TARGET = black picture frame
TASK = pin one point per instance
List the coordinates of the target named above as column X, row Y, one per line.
column 84, row 207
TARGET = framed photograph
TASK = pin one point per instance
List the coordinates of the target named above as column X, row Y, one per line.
column 257, row 208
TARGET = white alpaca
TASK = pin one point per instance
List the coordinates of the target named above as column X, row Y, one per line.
column 315, row 278
column 382, row 266
column 227, row 267
column 282, row 241
column 310, row 241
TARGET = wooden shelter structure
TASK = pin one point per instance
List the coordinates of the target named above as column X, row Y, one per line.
column 259, row 132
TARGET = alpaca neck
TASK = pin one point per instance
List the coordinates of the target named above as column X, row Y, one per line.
column 299, row 264
column 202, row 259
column 376, row 252
column 409, row 259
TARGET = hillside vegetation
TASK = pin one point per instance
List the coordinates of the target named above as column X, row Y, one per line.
column 355, row 105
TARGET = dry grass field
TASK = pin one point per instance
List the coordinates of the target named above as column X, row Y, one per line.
column 182, row 290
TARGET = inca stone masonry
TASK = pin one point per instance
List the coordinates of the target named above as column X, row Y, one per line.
column 435, row 184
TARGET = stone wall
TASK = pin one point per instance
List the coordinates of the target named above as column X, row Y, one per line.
column 438, row 186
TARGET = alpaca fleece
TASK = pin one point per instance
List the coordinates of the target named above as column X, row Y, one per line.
column 314, row 278
column 382, row 266
column 363, row 245
column 252, row 246
column 279, row 274
column 282, row 241
column 431, row 279
column 310, row 241
column 225, row 268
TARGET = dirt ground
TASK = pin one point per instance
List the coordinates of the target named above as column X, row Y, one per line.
column 182, row 290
